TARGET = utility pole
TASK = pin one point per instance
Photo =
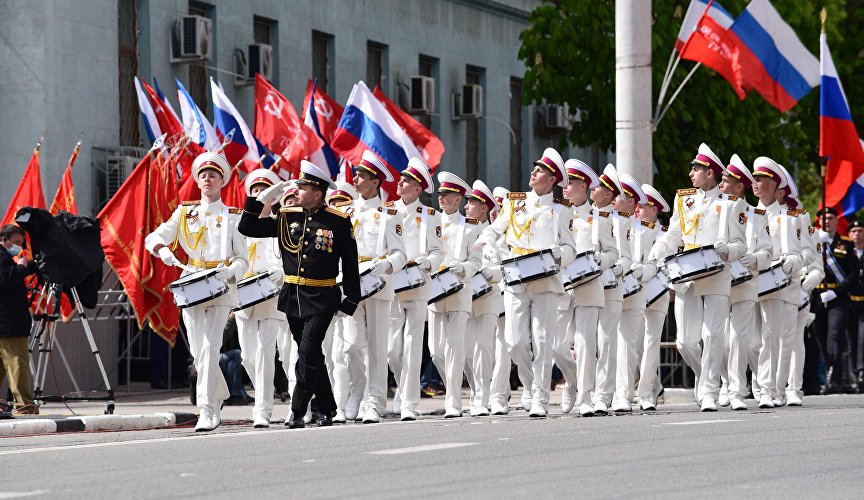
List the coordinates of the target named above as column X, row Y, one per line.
column 633, row 151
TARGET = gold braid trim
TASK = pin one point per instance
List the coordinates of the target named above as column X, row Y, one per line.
column 518, row 230
column 694, row 222
column 192, row 240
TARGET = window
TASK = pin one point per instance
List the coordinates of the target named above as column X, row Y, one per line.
column 127, row 56
column 265, row 31
column 322, row 57
column 428, row 66
column 474, row 131
column 198, row 76
column 261, row 30
column 376, row 65
column 516, row 178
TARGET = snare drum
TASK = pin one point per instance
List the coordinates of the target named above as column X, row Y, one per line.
column 655, row 288
column 582, row 270
column 804, row 300
column 631, row 284
column 530, row 267
column 197, row 288
column 773, row 279
column 408, row 278
column 370, row 285
column 693, row 264
column 740, row 274
column 479, row 286
column 255, row 290
column 609, row 280
column 444, row 284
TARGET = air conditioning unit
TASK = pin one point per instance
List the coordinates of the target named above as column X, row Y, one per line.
column 257, row 58
column 191, row 39
column 469, row 104
column 556, row 118
column 422, row 98
column 117, row 171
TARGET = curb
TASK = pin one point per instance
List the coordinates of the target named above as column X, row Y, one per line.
column 32, row 426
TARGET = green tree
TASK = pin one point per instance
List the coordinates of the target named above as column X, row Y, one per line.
column 569, row 52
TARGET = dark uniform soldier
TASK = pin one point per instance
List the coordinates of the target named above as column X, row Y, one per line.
column 831, row 298
column 314, row 239
column 856, row 296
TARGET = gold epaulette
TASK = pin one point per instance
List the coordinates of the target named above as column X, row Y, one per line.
column 647, row 224
column 562, row 201
column 291, row 209
column 517, row 196
column 731, row 197
column 429, row 211
column 759, row 211
column 392, row 211
column 389, row 203
column 685, row 192
column 802, row 211
column 793, row 213
column 235, row 210
column 469, row 220
column 625, row 214
column 190, row 202
column 343, row 203
column 603, row 214
column 337, row 212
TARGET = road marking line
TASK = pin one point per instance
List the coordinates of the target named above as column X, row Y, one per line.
column 22, row 494
column 417, row 449
column 700, row 422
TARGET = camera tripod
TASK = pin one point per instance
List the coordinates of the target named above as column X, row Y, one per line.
column 43, row 333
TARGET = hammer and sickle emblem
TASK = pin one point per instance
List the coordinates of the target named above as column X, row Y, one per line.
column 273, row 105
column 323, row 108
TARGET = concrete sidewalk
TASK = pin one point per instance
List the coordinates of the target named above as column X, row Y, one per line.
column 149, row 409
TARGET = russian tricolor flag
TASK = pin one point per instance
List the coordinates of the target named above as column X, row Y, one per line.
column 694, row 12
column 226, row 118
column 773, row 60
column 839, row 140
column 195, row 122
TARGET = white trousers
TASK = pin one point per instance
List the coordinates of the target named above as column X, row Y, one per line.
column 796, row 361
column 204, row 327
column 702, row 317
column 649, row 377
column 447, row 348
column 258, row 351
column 480, row 356
column 405, row 348
column 563, row 339
column 367, row 330
column 500, row 388
column 607, row 351
column 347, row 379
column 631, row 330
column 530, row 323
column 779, row 324
column 744, row 342
column 287, row 354
column 584, row 323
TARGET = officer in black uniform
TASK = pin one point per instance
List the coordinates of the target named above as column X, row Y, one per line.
column 831, row 298
column 313, row 239
column 856, row 307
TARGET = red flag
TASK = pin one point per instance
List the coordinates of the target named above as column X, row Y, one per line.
column 64, row 199
column 133, row 212
column 29, row 191
column 426, row 142
column 168, row 123
column 711, row 45
column 327, row 110
column 279, row 128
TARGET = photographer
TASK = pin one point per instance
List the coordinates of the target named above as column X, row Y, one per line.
column 15, row 319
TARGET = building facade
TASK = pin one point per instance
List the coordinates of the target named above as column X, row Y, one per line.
column 67, row 68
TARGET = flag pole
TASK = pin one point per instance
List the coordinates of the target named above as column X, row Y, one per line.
column 823, row 160
column 677, row 91
column 667, row 77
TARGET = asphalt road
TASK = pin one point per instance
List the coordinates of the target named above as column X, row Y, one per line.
column 677, row 452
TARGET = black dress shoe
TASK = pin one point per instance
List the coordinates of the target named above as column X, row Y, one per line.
column 828, row 388
column 295, row 424
column 325, row 419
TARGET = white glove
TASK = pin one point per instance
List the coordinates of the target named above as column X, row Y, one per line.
column 597, row 257
column 617, row 270
column 277, row 275
column 748, row 261
column 271, row 194
column 423, row 263
column 487, row 273
column 807, row 286
column 787, row 266
column 827, row 296
column 380, row 268
column 225, row 274
column 824, row 237
column 810, row 318
column 167, row 257
column 489, row 254
column 556, row 252
column 638, row 271
column 457, row 268
column 722, row 250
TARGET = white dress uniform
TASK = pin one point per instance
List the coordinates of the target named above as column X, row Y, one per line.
column 777, row 308
column 702, row 218
column 208, row 234
column 448, row 317
column 499, row 390
column 655, row 317
column 530, row 222
column 378, row 234
column 421, row 233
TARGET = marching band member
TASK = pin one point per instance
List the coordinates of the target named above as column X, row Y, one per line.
column 778, row 307
column 480, row 331
column 531, row 222
column 655, row 313
column 499, row 389
column 580, row 307
column 421, row 233
column 631, row 327
column 378, row 231
column 703, row 216
column 257, row 326
column 343, row 195
column 743, row 338
column 314, row 241
column 448, row 317
column 809, row 276
column 603, row 196
column 207, row 231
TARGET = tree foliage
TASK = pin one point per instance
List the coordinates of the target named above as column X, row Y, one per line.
column 569, row 52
